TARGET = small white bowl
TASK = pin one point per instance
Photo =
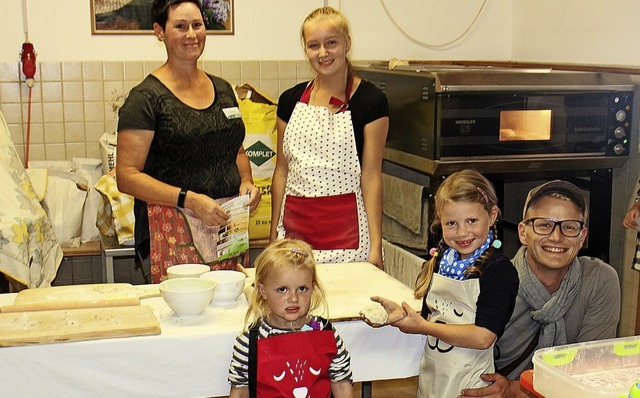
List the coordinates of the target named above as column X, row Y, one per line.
column 229, row 285
column 187, row 296
column 187, row 270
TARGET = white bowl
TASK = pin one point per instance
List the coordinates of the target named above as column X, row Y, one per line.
column 187, row 296
column 187, row 270
column 229, row 285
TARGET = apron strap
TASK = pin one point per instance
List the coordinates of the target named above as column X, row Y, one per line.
column 253, row 360
column 342, row 105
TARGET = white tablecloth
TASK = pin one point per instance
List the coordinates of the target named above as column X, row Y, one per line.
column 191, row 356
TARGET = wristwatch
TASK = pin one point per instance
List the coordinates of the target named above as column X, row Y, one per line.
column 183, row 194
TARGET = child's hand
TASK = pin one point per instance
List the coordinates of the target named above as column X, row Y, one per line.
column 394, row 312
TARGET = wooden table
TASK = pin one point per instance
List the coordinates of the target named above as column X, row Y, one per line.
column 190, row 358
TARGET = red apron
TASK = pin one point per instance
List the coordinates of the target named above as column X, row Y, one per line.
column 295, row 364
column 326, row 223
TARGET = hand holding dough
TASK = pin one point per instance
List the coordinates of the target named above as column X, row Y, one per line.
column 375, row 314
column 382, row 312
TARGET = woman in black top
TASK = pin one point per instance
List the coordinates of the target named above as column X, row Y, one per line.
column 180, row 133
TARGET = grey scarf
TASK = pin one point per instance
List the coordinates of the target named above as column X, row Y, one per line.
column 547, row 309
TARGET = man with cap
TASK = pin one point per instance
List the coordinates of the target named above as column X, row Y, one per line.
column 563, row 298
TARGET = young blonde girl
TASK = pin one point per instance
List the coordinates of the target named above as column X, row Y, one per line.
column 286, row 349
column 468, row 288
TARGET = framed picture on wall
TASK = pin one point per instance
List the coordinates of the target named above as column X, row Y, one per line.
column 126, row 17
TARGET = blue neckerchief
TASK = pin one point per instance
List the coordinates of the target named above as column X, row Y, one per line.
column 453, row 268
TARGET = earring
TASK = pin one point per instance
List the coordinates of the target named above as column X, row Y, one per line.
column 497, row 243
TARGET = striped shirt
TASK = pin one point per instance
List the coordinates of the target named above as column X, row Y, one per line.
column 340, row 368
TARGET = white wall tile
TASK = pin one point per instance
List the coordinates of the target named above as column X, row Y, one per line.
column 52, row 91
column 55, row 152
column 250, row 71
column 9, row 72
column 93, row 91
column 113, row 71
column 72, row 91
column 52, row 112
column 74, row 132
column 51, row 71
column 12, row 112
column 92, row 71
column 71, row 71
column 9, row 92
column 35, row 133
column 74, row 111
column 134, row 71
column 54, row 133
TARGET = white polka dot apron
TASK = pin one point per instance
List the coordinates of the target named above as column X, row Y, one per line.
column 323, row 203
column 445, row 369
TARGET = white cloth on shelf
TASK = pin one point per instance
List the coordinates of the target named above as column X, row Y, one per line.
column 405, row 213
column 401, row 264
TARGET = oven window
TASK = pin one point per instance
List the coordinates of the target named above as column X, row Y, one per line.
column 530, row 125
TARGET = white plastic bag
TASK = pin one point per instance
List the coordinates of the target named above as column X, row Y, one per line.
column 91, row 170
column 64, row 203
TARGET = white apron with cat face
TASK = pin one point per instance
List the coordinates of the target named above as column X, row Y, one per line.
column 323, row 202
column 445, row 369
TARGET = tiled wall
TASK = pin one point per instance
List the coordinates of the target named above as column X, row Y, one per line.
column 72, row 103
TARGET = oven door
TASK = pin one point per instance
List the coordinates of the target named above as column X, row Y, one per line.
column 532, row 124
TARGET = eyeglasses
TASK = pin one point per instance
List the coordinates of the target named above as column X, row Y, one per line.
column 546, row 226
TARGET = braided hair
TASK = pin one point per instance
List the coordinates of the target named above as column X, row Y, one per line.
column 463, row 186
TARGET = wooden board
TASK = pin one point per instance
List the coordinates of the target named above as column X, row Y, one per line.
column 80, row 296
column 57, row 326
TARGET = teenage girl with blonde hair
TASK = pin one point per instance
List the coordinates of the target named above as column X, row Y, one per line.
column 468, row 288
column 286, row 349
column 327, row 184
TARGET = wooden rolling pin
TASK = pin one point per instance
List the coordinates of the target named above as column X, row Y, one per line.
column 80, row 296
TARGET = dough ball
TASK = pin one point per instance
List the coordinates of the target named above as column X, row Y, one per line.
column 376, row 314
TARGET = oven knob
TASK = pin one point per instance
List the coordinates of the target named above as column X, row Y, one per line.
column 621, row 115
column 619, row 132
column 618, row 149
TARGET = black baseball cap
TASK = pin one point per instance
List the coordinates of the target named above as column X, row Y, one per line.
column 561, row 187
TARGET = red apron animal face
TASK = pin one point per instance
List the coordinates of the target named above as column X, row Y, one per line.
column 296, row 364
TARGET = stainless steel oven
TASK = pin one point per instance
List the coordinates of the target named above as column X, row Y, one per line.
column 499, row 119
column 518, row 127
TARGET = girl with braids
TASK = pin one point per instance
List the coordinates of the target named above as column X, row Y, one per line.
column 327, row 184
column 287, row 349
column 468, row 288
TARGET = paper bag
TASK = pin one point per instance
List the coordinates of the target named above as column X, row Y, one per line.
column 107, row 144
column 260, row 143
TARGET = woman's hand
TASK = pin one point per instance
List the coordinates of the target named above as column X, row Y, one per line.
column 254, row 194
column 630, row 218
column 206, row 208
